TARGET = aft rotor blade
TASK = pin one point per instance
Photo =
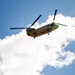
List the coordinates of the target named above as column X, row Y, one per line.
column 35, row 20
column 62, row 24
column 55, row 14
column 17, row 28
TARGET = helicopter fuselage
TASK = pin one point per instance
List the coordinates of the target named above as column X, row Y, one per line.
column 42, row 30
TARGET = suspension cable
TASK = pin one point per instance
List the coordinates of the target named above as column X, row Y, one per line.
column 36, row 55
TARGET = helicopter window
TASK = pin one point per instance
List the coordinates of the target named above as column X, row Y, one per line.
column 34, row 33
column 42, row 32
column 47, row 29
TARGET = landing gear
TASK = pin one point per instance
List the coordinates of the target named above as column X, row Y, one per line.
column 48, row 33
column 34, row 37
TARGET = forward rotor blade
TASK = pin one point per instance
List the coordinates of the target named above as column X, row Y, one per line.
column 55, row 14
column 17, row 28
column 62, row 24
column 35, row 20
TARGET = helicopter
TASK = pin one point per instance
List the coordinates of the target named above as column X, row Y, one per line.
column 42, row 30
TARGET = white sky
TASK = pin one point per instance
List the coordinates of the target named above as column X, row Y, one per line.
column 24, row 55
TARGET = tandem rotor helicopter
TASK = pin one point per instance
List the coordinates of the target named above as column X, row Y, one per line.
column 42, row 30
